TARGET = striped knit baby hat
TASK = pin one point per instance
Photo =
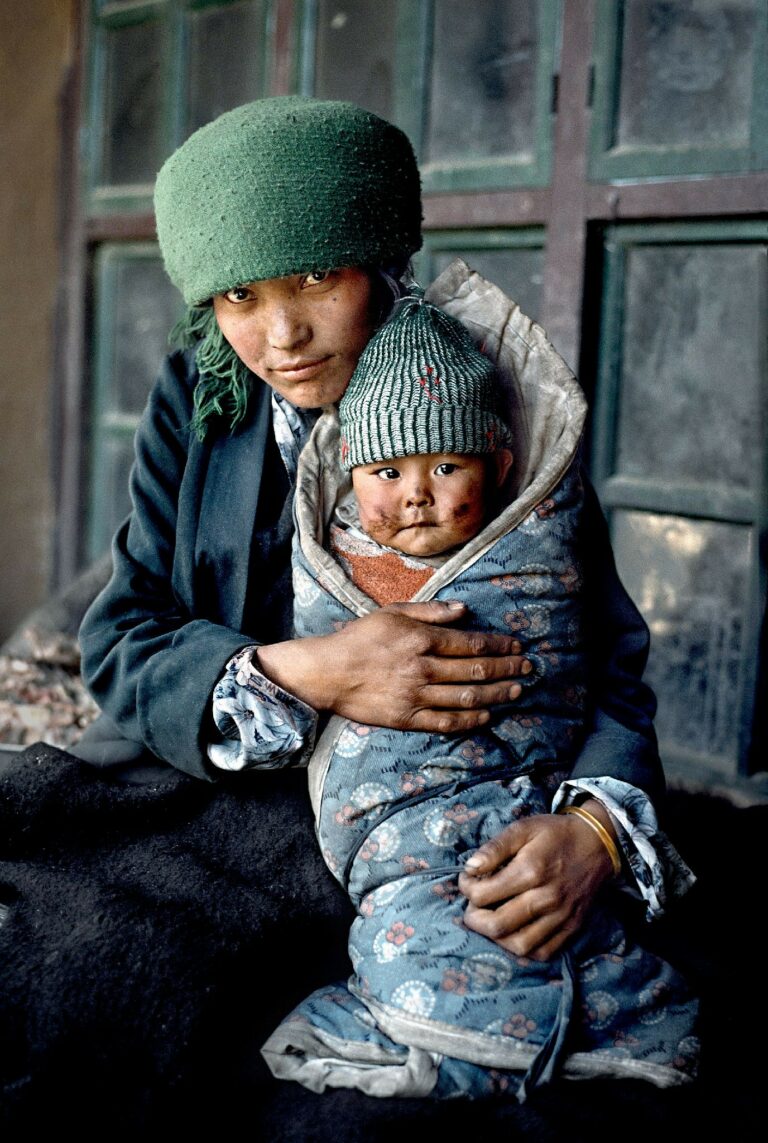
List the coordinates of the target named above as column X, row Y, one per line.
column 421, row 386
column 285, row 186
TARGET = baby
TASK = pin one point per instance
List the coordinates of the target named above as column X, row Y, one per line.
column 433, row 1007
column 426, row 478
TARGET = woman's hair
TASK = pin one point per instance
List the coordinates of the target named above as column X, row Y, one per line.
column 225, row 382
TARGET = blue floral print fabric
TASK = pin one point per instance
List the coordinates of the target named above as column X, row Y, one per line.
column 260, row 723
column 433, row 1007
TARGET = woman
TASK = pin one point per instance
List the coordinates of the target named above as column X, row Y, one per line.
column 284, row 224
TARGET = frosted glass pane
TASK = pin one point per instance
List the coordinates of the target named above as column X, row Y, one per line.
column 143, row 307
column 690, row 580
column 111, row 499
column 482, row 98
column 690, row 406
column 356, row 53
column 226, row 59
column 133, row 127
column 686, row 73
column 519, row 273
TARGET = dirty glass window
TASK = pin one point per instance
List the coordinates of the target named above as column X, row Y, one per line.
column 227, row 58
column 513, row 260
column 690, row 404
column 488, row 99
column 691, row 580
column 680, row 86
column 131, row 138
column 482, row 89
column 679, row 457
column 687, row 71
column 470, row 83
column 158, row 70
column 136, row 306
column 355, row 53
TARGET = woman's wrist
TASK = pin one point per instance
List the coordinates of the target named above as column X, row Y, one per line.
column 299, row 666
column 596, row 818
column 598, row 810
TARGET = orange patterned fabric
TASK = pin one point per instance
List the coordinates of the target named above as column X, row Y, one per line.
column 384, row 575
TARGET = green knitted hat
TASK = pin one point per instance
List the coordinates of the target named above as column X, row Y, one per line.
column 284, row 186
column 421, row 386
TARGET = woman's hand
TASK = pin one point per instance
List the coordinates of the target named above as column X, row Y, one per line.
column 402, row 666
column 530, row 887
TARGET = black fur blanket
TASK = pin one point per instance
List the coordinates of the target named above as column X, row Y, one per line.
column 154, row 935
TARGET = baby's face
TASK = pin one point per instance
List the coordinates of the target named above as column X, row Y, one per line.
column 422, row 505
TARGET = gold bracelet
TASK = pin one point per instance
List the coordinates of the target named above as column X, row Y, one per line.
column 601, row 832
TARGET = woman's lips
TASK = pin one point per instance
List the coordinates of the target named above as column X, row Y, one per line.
column 300, row 370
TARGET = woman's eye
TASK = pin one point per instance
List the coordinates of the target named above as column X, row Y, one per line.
column 445, row 469
column 387, row 474
column 238, row 294
column 315, row 277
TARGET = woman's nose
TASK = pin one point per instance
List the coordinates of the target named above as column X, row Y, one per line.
column 286, row 327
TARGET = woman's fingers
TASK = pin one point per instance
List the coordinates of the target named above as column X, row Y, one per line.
column 431, row 721
column 400, row 667
column 470, row 696
column 530, row 887
column 484, row 669
column 446, row 641
column 538, row 937
column 495, row 854
column 486, row 892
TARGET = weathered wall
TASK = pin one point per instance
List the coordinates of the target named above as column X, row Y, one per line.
column 35, row 48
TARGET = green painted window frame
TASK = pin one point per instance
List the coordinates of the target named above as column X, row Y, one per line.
column 746, row 508
column 413, row 37
column 500, row 238
column 465, row 241
column 655, row 162
column 170, row 16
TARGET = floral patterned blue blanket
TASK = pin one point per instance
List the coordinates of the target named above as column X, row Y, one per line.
column 431, row 1007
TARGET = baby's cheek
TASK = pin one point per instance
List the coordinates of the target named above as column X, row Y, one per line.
column 466, row 520
column 374, row 515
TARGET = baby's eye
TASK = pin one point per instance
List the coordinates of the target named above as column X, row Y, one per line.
column 239, row 294
column 445, row 469
column 387, row 473
column 315, row 277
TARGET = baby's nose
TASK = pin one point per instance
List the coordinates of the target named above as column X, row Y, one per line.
column 419, row 494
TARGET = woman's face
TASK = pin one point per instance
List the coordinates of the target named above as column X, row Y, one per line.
column 302, row 334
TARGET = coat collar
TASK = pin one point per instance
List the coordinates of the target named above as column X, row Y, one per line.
column 235, row 467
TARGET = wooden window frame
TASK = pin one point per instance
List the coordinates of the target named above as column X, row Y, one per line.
column 705, row 502
column 674, row 161
column 567, row 208
column 414, row 40
column 571, row 210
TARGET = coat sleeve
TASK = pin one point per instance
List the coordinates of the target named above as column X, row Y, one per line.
column 622, row 742
column 150, row 664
